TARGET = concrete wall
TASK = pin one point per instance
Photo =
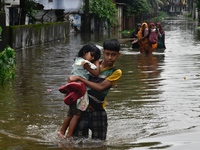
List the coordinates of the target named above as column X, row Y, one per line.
column 28, row 35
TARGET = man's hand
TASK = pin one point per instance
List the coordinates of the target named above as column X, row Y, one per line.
column 72, row 78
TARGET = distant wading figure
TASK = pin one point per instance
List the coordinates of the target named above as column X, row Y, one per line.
column 135, row 44
column 143, row 41
column 153, row 36
column 161, row 36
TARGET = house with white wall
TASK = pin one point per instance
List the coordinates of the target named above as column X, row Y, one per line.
column 12, row 9
column 72, row 8
column 67, row 5
column 178, row 7
column 52, row 11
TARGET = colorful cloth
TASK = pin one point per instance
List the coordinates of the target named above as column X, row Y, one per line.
column 97, row 98
column 95, row 119
column 78, row 67
column 161, row 36
column 143, row 40
column 74, row 92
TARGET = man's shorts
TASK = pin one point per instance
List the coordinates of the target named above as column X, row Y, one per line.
column 96, row 121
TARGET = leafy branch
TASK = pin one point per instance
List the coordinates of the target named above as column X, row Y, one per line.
column 105, row 10
column 7, row 65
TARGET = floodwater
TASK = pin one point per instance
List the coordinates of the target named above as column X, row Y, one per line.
column 156, row 104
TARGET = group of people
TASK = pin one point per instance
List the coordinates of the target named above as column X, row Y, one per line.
column 148, row 37
column 87, row 87
column 92, row 78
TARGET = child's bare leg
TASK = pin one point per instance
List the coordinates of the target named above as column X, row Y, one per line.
column 65, row 124
column 72, row 125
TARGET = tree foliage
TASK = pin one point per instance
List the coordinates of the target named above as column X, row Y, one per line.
column 104, row 9
column 198, row 4
column 141, row 7
column 137, row 7
column 31, row 10
column 7, row 65
column 28, row 8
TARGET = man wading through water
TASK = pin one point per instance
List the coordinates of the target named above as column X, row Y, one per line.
column 95, row 117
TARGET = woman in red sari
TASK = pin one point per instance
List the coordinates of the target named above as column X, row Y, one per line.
column 153, row 36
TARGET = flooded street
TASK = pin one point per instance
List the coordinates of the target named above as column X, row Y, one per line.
column 156, row 104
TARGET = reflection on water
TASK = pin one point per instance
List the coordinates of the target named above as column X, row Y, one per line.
column 156, row 101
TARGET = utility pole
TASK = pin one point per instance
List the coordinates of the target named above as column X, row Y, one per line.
column 2, row 26
column 86, row 23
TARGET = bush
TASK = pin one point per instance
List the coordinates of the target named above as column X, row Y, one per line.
column 7, row 65
column 126, row 33
column 160, row 16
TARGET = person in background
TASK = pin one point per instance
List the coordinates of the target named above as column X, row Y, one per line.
column 83, row 66
column 153, row 36
column 161, row 36
column 95, row 117
column 135, row 44
column 143, row 41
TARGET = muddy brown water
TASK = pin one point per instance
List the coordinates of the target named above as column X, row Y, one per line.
column 156, row 104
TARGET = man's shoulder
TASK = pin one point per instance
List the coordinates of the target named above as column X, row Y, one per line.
column 110, row 70
column 115, row 75
column 117, row 72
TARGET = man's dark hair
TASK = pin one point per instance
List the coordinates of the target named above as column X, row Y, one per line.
column 111, row 44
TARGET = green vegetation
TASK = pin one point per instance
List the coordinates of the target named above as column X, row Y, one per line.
column 137, row 7
column 143, row 7
column 7, row 65
column 104, row 10
column 198, row 4
column 160, row 16
column 30, row 9
column 126, row 33
column 188, row 15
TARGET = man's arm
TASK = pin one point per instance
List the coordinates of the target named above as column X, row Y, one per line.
column 95, row 86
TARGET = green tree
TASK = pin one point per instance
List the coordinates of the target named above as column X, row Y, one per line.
column 28, row 8
column 198, row 4
column 137, row 7
column 198, row 8
column 142, row 7
column 105, row 10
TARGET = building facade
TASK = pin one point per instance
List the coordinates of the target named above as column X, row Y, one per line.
column 178, row 7
column 48, row 14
